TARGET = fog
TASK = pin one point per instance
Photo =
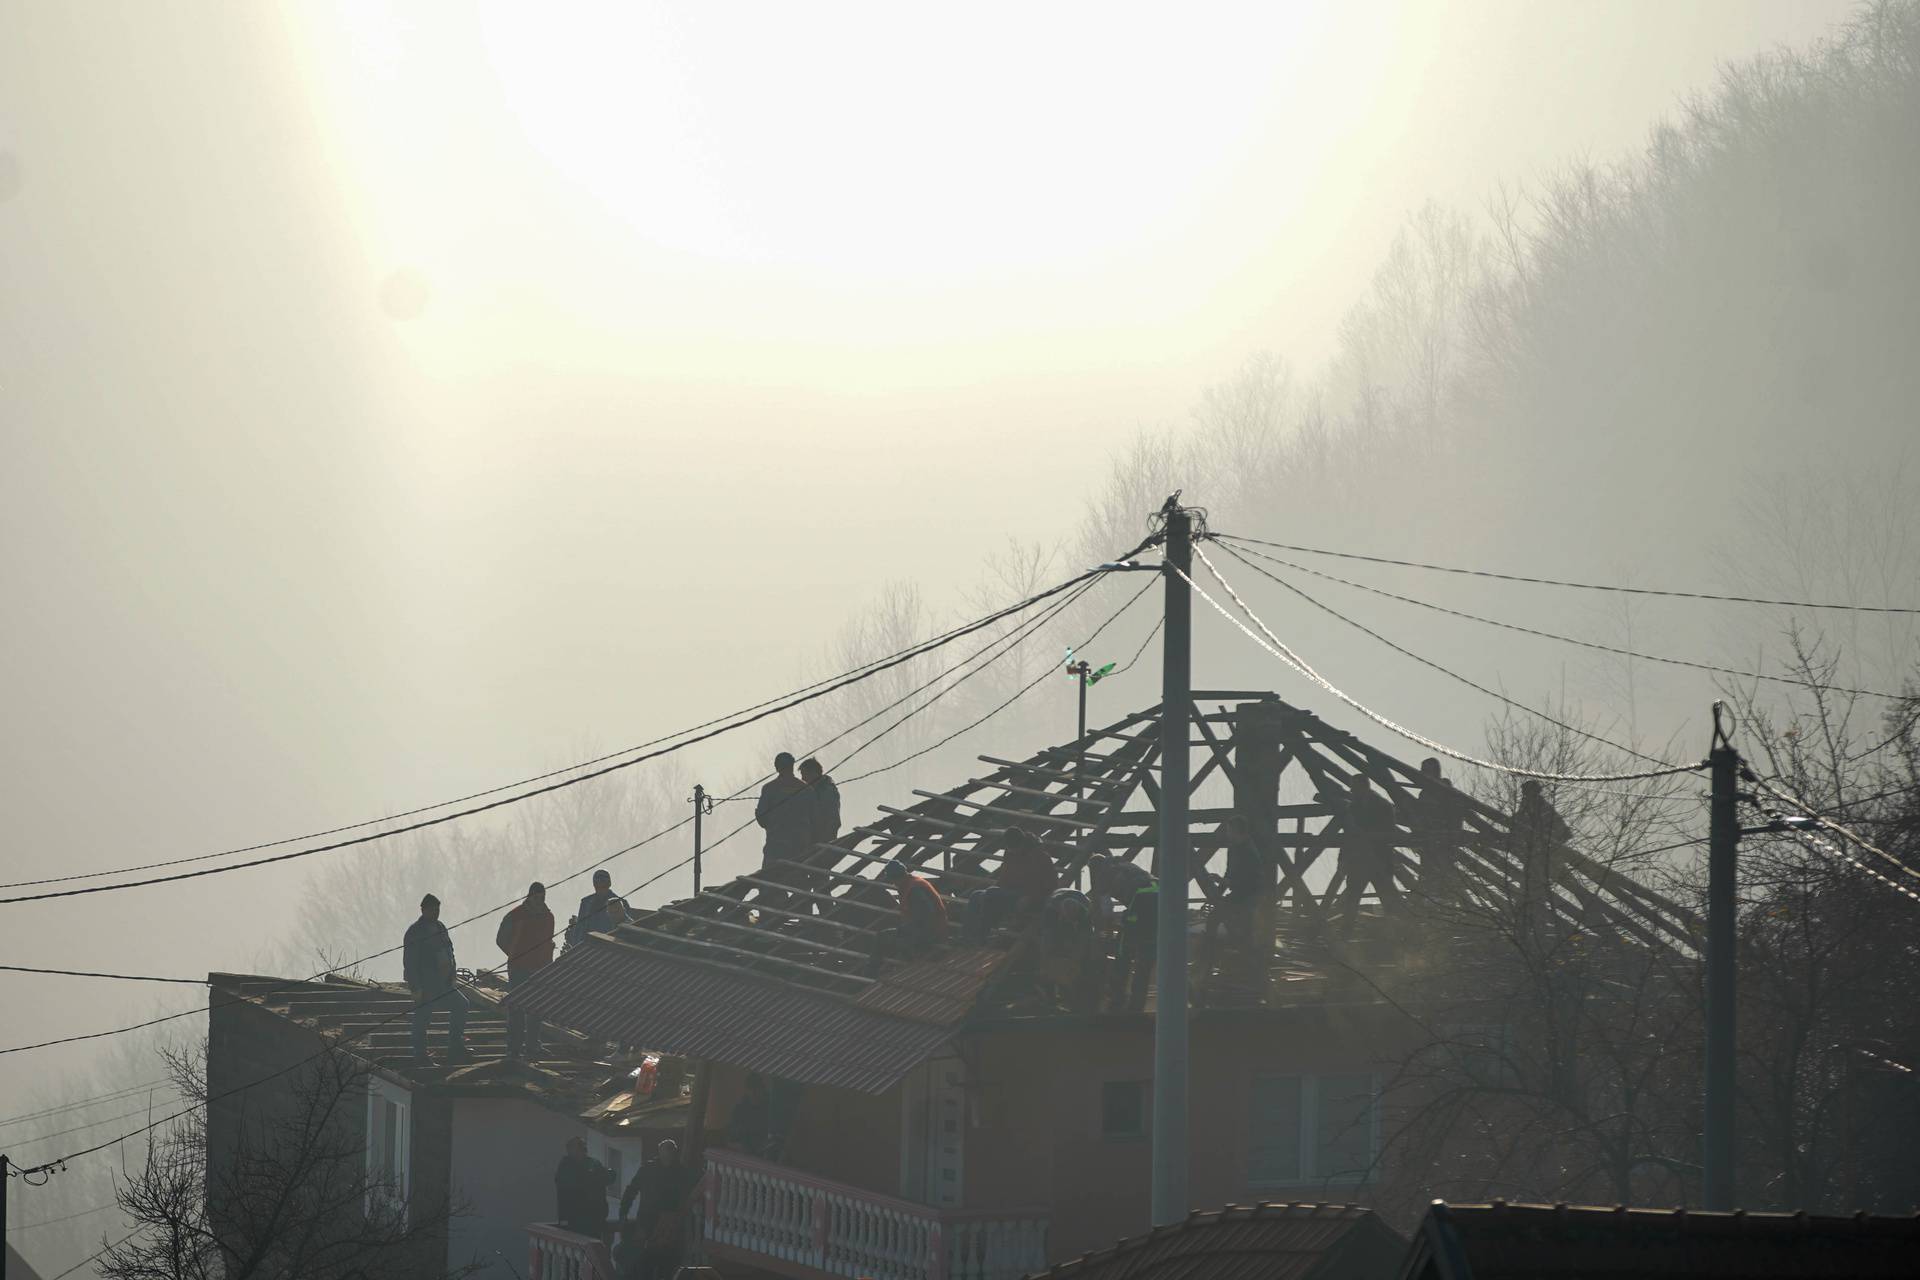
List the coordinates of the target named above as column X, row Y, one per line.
column 400, row 401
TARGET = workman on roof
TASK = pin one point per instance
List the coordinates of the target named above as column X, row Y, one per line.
column 428, row 968
column 526, row 936
column 923, row 917
column 1021, row 886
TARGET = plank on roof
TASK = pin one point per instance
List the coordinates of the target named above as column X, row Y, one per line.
column 757, row 956
column 764, row 934
column 1089, row 779
column 1022, row 815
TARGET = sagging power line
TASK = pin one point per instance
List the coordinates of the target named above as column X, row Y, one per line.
column 1579, row 586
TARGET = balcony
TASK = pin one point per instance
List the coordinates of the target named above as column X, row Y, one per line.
column 779, row 1220
column 554, row 1253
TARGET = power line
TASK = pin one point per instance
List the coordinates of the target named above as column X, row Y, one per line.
column 91, row 973
column 1445, row 671
column 1581, row 586
column 1017, row 694
column 1552, row 635
column 81, row 1128
column 1833, row 850
column 378, row 955
column 1279, row 649
column 954, row 633
column 97, row 1256
column 1826, row 823
column 573, row 781
column 50, row 1222
column 116, row 1096
column 656, row 877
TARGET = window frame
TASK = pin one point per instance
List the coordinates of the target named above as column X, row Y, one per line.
column 380, row 1161
column 1308, row 1123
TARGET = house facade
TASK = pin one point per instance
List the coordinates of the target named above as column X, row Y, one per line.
column 953, row 1115
column 481, row 1140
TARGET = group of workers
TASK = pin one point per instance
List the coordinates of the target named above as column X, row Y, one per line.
column 649, row 1238
column 525, row 936
column 1085, row 949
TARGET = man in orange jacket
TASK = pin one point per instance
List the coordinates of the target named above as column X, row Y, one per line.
column 526, row 935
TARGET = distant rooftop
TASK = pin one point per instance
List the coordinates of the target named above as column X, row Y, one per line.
column 574, row 1076
column 1251, row 1242
column 1501, row 1241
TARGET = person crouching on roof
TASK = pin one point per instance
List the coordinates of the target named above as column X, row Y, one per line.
column 1020, row 889
column 923, row 917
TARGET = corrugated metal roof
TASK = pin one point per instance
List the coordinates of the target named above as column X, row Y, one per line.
column 371, row 1017
column 628, row 994
column 1251, row 1242
column 1499, row 1241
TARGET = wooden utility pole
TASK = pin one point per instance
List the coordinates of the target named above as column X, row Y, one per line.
column 1170, row 1010
column 1723, row 843
column 702, row 806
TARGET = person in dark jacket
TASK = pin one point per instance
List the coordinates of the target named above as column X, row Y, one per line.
column 786, row 812
column 428, row 968
column 592, row 915
column 824, row 796
column 526, row 936
column 659, row 1194
column 1021, row 886
column 580, row 1190
column 1438, row 817
column 1367, row 847
column 1538, row 835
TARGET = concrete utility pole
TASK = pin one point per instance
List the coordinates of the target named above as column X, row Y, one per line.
column 1723, row 843
column 1170, row 1016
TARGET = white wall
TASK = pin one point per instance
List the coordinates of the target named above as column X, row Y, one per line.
column 504, row 1154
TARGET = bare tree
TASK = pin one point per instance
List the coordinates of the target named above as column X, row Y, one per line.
column 291, row 1197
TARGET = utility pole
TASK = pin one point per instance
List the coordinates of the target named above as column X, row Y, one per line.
column 702, row 806
column 6, row 1175
column 1080, row 671
column 1170, row 1016
column 1723, row 843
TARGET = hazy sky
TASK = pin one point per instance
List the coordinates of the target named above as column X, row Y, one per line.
column 396, row 399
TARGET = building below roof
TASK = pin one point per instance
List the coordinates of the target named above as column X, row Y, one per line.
column 1502, row 1241
column 1251, row 1242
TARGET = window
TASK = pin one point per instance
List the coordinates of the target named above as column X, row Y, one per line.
column 389, row 1148
column 1312, row 1129
column 1123, row 1110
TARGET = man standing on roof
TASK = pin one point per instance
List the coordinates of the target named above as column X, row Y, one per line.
column 592, row 916
column 1438, row 816
column 427, row 964
column 1538, row 833
column 526, row 936
column 923, row 917
column 786, row 812
column 825, row 798
column 1368, row 848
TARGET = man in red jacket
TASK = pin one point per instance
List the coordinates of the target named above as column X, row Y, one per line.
column 526, row 935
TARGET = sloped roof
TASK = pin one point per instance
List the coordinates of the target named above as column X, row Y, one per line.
column 751, row 1020
column 1251, row 1242
column 713, row 972
column 574, row 1076
column 1520, row 1241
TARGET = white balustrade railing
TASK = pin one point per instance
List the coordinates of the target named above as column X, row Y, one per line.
column 554, row 1253
column 763, row 1209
